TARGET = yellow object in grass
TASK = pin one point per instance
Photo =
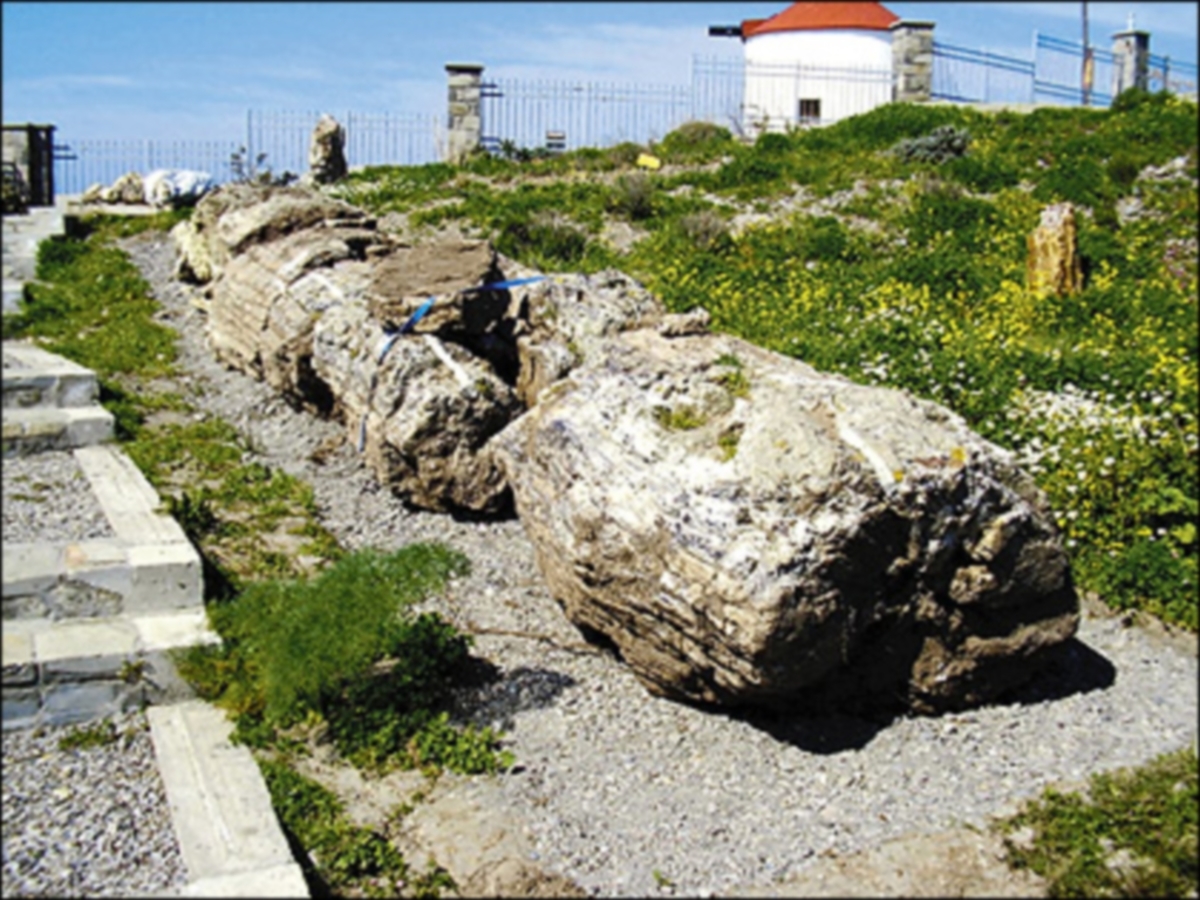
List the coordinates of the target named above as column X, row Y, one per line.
column 646, row 161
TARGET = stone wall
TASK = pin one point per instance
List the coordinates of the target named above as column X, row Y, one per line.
column 463, row 106
column 1132, row 69
column 912, row 61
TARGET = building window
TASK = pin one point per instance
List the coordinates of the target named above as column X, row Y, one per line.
column 810, row 112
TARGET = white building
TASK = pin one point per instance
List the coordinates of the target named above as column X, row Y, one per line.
column 816, row 63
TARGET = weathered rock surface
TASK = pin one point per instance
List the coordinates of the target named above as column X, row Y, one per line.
column 282, row 211
column 1053, row 265
column 230, row 219
column 126, row 189
column 408, row 276
column 560, row 321
column 327, row 151
column 258, row 323
column 423, row 415
column 747, row 530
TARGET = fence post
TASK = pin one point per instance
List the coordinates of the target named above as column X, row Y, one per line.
column 463, row 107
column 1132, row 70
column 912, row 61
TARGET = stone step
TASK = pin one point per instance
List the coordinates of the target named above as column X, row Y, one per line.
column 14, row 294
column 229, row 837
column 148, row 567
column 76, row 670
column 37, row 379
column 34, row 430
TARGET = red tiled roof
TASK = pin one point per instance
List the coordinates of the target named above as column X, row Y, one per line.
column 813, row 16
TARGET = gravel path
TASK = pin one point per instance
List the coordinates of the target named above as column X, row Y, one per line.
column 616, row 785
column 47, row 498
column 87, row 822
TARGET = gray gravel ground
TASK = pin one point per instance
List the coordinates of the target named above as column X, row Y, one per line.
column 616, row 785
column 88, row 822
column 47, row 498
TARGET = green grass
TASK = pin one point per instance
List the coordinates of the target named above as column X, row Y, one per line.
column 343, row 648
column 1146, row 815
column 84, row 737
column 346, row 856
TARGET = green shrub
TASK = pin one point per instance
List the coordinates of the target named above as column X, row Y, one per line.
column 748, row 173
column 985, row 174
column 885, row 126
column 705, row 229
column 944, row 210
column 633, row 196
column 624, row 154
column 344, row 647
column 943, row 143
column 695, row 142
column 823, row 239
column 772, row 144
column 544, row 241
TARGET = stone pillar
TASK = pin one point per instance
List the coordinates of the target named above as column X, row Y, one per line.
column 912, row 61
column 464, row 123
column 1132, row 64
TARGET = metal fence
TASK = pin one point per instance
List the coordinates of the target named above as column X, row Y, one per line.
column 966, row 76
column 1166, row 74
column 384, row 138
column 719, row 91
column 1060, row 69
column 90, row 161
column 372, row 138
column 580, row 114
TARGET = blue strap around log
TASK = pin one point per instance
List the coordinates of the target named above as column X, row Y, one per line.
column 416, row 317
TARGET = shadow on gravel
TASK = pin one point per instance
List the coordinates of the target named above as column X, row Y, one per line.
column 1076, row 669
column 816, row 734
column 524, row 688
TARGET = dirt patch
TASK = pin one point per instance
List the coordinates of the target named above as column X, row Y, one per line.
column 958, row 863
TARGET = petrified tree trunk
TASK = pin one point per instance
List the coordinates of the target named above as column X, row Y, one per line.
column 1053, row 265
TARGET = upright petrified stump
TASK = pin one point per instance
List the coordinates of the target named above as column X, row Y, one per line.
column 327, row 151
column 1053, row 265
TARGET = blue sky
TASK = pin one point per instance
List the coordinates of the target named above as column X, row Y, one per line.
column 192, row 70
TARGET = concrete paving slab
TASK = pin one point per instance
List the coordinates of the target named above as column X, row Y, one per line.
column 129, row 501
column 169, row 630
column 18, row 647
column 14, row 295
column 76, row 638
column 70, row 703
column 34, row 377
column 279, row 881
column 219, row 802
column 165, row 576
column 37, row 429
column 31, row 568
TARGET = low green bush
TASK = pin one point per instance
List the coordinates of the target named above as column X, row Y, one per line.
column 943, row 143
column 344, row 647
column 696, row 142
column 1148, row 815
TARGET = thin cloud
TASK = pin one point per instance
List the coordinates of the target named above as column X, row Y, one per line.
column 73, row 82
column 1177, row 19
column 615, row 51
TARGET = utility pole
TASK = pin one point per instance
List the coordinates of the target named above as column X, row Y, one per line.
column 1086, row 75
